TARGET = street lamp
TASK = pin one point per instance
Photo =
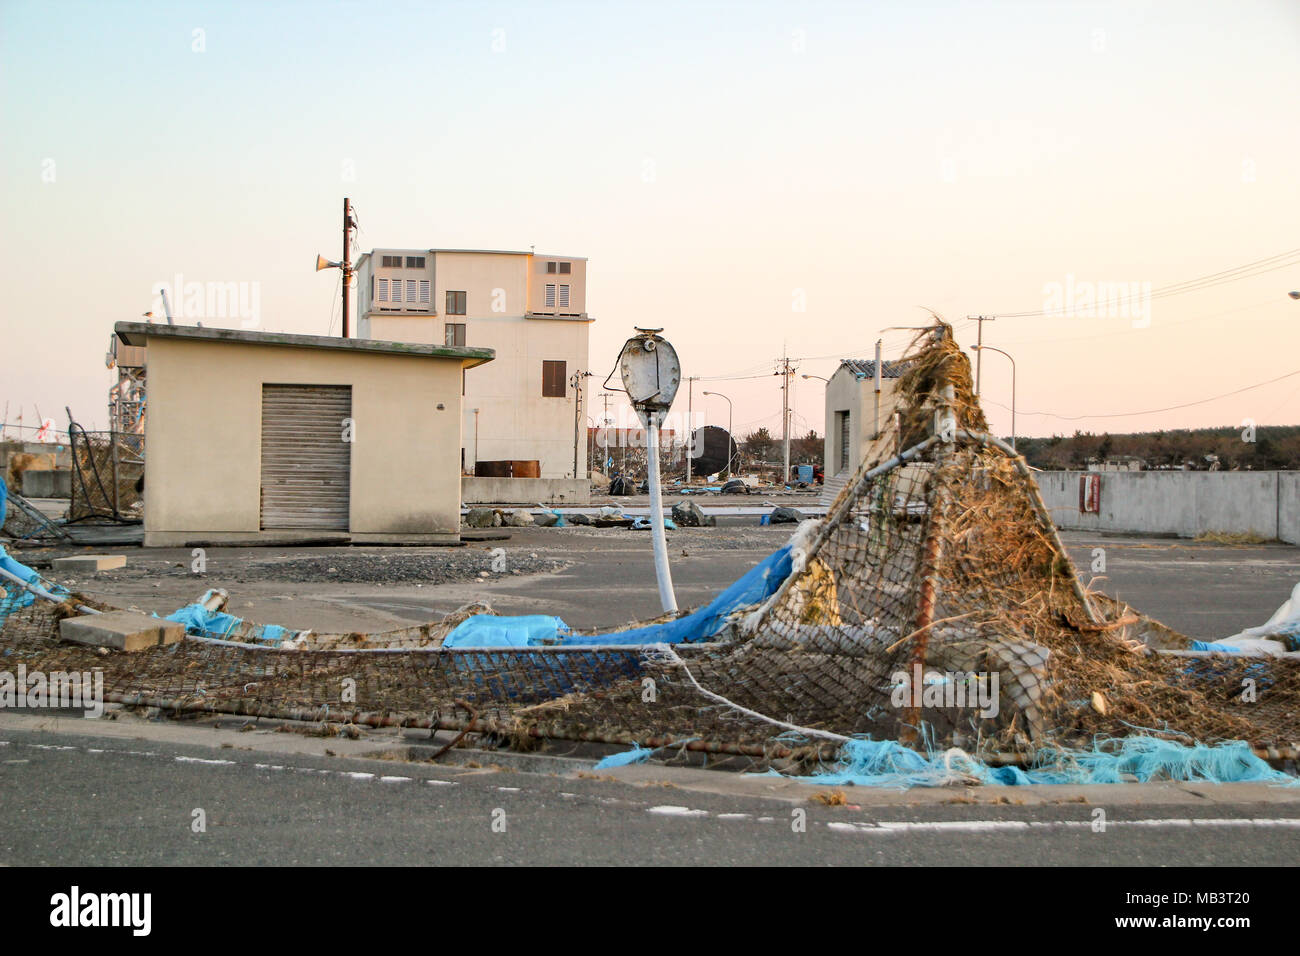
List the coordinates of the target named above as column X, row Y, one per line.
column 731, row 439
column 978, row 348
column 826, row 380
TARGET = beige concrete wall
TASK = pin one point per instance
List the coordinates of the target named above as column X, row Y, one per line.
column 515, row 421
column 525, row 491
column 846, row 391
column 538, row 278
column 203, row 433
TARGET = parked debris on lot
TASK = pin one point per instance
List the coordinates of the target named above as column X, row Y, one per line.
column 688, row 514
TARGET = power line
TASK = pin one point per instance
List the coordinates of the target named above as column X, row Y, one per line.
column 1259, row 267
column 1155, row 411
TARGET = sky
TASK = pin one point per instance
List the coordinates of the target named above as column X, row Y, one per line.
column 756, row 178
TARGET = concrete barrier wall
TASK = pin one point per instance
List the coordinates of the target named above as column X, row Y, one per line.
column 525, row 491
column 1288, row 501
column 47, row 484
column 1185, row 503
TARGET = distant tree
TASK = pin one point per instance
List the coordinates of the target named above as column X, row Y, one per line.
column 808, row 450
column 759, row 445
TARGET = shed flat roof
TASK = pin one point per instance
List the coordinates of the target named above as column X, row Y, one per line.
column 138, row 333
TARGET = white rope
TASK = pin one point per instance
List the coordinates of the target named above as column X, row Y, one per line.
column 673, row 658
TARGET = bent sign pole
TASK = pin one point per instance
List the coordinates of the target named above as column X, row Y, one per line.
column 651, row 374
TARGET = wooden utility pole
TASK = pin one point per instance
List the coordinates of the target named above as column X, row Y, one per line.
column 347, row 260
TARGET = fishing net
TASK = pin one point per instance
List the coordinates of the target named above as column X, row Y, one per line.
column 934, row 605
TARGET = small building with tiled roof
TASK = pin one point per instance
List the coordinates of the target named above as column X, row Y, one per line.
column 855, row 414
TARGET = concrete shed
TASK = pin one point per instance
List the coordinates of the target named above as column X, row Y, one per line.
column 263, row 435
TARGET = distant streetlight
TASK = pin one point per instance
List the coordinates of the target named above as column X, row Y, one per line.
column 826, row 380
column 731, row 439
column 977, row 348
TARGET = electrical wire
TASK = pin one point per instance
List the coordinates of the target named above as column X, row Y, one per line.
column 1152, row 411
column 1259, row 267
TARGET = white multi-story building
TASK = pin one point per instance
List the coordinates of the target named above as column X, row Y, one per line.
column 531, row 309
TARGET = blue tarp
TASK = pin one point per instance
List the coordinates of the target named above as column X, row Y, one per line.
column 489, row 630
column 755, row 586
column 17, row 597
column 200, row 622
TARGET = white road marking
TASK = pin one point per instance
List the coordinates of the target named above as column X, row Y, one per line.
column 672, row 811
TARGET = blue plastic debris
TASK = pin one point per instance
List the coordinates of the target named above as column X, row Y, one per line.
column 489, row 630
column 635, row 755
column 887, row 763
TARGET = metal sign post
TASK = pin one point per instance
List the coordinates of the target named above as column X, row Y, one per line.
column 651, row 374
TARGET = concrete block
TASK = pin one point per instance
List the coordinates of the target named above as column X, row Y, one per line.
column 121, row 630
column 47, row 484
column 90, row 562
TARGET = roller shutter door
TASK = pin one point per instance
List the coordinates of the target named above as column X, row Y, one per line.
column 844, row 439
column 306, row 464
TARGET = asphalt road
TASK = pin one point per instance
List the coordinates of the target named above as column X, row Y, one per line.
column 71, row 799
column 1205, row 590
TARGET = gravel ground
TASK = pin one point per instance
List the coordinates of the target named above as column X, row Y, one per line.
column 358, row 565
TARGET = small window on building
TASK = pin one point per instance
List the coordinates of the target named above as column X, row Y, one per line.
column 550, row 295
column 566, row 268
column 456, row 303
column 393, row 262
column 426, row 293
column 553, row 379
column 415, row 262
column 455, row 333
column 410, row 290
column 564, row 297
column 383, row 290
column 551, row 268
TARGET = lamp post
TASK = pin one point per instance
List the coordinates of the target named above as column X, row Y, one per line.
column 978, row 348
column 731, row 439
column 826, row 380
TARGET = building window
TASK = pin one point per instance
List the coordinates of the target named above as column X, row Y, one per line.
column 553, row 379
column 550, row 295
column 566, row 268
column 551, row 267
column 564, row 297
column 425, row 292
column 455, row 303
column 393, row 262
column 563, row 268
column 415, row 262
column 455, row 333
column 410, row 290
column 383, row 290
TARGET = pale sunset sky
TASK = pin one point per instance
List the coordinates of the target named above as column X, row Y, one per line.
column 752, row 177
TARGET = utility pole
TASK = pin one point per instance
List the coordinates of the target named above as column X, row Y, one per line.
column 347, row 260
column 690, row 424
column 979, row 342
column 604, row 427
column 785, row 372
column 576, row 381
